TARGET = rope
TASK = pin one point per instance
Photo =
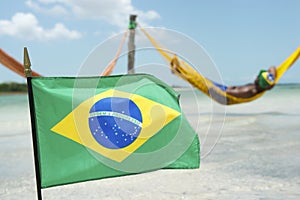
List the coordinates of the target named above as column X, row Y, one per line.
column 163, row 52
column 108, row 70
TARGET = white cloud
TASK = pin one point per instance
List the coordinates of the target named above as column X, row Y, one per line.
column 55, row 10
column 26, row 26
column 114, row 12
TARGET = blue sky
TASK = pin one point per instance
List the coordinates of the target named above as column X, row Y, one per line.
column 240, row 36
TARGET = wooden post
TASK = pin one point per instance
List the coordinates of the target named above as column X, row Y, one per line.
column 131, row 44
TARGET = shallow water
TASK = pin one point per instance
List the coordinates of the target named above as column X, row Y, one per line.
column 249, row 151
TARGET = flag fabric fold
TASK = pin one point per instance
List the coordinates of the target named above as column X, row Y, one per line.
column 90, row 128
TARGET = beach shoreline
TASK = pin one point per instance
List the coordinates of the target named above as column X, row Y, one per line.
column 12, row 93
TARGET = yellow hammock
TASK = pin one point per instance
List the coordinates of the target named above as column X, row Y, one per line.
column 211, row 89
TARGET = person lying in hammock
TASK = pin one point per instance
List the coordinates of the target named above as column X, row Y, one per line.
column 264, row 81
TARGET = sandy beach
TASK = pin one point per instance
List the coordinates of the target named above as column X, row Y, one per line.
column 256, row 156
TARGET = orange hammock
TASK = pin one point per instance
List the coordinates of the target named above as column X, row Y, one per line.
column 18, row 68
column 13, row 64
column 108, row 70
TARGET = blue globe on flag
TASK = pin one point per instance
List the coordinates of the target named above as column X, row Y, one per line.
column 115, row 122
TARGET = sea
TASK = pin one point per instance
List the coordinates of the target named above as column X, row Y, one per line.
column 248, row 151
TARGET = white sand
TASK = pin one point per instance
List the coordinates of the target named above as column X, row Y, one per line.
column 257, row 157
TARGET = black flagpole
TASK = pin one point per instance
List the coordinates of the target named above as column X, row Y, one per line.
column 28, row 74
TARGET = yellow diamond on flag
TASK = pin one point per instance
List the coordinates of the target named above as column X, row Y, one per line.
column 115, row 123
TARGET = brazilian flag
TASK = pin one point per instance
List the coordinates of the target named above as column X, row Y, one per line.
column 97, row 127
